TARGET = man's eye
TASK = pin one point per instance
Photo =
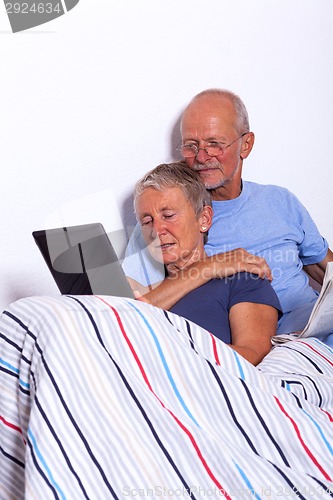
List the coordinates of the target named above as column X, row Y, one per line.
column 168, row 216
column 213, row 144
column 190, row 146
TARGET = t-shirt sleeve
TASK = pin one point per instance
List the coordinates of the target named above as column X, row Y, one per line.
column 313, row 247
column 138, row 263
column 246, row 287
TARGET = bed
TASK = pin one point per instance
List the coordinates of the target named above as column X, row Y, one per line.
column 104, row 397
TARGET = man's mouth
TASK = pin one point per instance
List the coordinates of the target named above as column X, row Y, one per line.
column 206, row 168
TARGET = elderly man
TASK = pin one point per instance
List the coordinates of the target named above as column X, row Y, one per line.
column 267, row 221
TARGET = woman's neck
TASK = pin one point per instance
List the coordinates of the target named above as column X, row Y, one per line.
column 174, row 267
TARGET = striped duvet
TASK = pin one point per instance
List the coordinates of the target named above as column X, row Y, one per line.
column 104, row 397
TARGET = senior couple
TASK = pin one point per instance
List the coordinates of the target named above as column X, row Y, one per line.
column 175, row 215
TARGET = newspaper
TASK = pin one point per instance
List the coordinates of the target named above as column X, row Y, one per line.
column 321, row 319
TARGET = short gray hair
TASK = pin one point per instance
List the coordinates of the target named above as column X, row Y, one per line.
column 177, row 174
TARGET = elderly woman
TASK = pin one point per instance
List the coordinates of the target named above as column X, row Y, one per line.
column 175, row 213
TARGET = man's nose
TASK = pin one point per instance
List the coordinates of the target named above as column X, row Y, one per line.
column 202, row 156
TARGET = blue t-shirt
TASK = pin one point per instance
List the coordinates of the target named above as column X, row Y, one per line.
column 265, row 220
column 209, row 305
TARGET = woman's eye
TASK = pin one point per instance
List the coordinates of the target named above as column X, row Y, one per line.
column 145, row 222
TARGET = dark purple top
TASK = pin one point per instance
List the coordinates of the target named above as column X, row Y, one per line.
column 209, row 305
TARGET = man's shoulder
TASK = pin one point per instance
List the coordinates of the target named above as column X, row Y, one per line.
column 268, row 190
column 255, row 186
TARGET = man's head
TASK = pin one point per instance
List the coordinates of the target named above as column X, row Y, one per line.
column 216, row 138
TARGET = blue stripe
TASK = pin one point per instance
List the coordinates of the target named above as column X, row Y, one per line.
column 164, row 362
column 249, row 486
column 14, row 370
column 326, row 346
column 139, row 405
column 39, row 455
column 240, row 368
column 320, row 432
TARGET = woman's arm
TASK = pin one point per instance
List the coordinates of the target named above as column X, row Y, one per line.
column 175, row 287
column 252, row 326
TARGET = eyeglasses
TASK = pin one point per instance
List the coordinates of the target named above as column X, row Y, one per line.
column 212, row 149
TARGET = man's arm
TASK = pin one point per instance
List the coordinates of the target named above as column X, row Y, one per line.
column 317, row 271
column 252, row 326
column 176, row 286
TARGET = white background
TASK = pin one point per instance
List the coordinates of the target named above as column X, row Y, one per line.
column 90, row 101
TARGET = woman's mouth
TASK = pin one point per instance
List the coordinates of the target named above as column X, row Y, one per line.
column 166, row 246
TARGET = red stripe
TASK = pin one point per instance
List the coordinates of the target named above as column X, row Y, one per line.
column 216, row 356
column 203, row 461
column 196, row 447
column 330, row 418
column 129, row 345
column 317, row 352
column 314, row 460
column 12, row 426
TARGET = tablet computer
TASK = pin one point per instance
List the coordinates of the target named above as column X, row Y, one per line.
column 82, row 260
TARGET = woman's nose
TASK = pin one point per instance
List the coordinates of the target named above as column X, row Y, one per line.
column 158, row 228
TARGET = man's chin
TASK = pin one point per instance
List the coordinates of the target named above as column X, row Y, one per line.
column 209, row 181
column 214, row 185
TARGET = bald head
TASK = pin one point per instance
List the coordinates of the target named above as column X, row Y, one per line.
column 217, row 102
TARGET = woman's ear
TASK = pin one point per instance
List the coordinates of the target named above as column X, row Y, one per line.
column 206, row 218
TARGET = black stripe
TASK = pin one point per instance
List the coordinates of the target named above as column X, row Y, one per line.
column 11, row 458
column 188, row 328
column 75, row 425
column 41, row 472
column 232, row 413
column 40, row 351
column 324, row 487
column 140, row 407
column 284, row 346
column 62, row 449
column 291, row 485
column 264, row 425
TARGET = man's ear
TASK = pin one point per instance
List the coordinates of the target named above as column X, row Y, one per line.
column 206, row 218
column 247, row 145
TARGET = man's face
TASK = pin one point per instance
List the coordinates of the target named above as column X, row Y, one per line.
column 207, row 120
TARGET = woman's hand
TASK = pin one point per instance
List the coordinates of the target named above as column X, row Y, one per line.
column 139, row 296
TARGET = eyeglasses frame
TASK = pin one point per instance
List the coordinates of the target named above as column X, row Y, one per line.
column 219, row 145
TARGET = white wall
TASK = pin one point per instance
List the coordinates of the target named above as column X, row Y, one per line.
column 91, row 101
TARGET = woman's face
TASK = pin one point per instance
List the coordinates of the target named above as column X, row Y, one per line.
column 169, row 225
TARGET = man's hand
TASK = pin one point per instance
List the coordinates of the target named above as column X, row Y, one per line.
column 235, row 261
column 317, row 271
column 180, row 282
